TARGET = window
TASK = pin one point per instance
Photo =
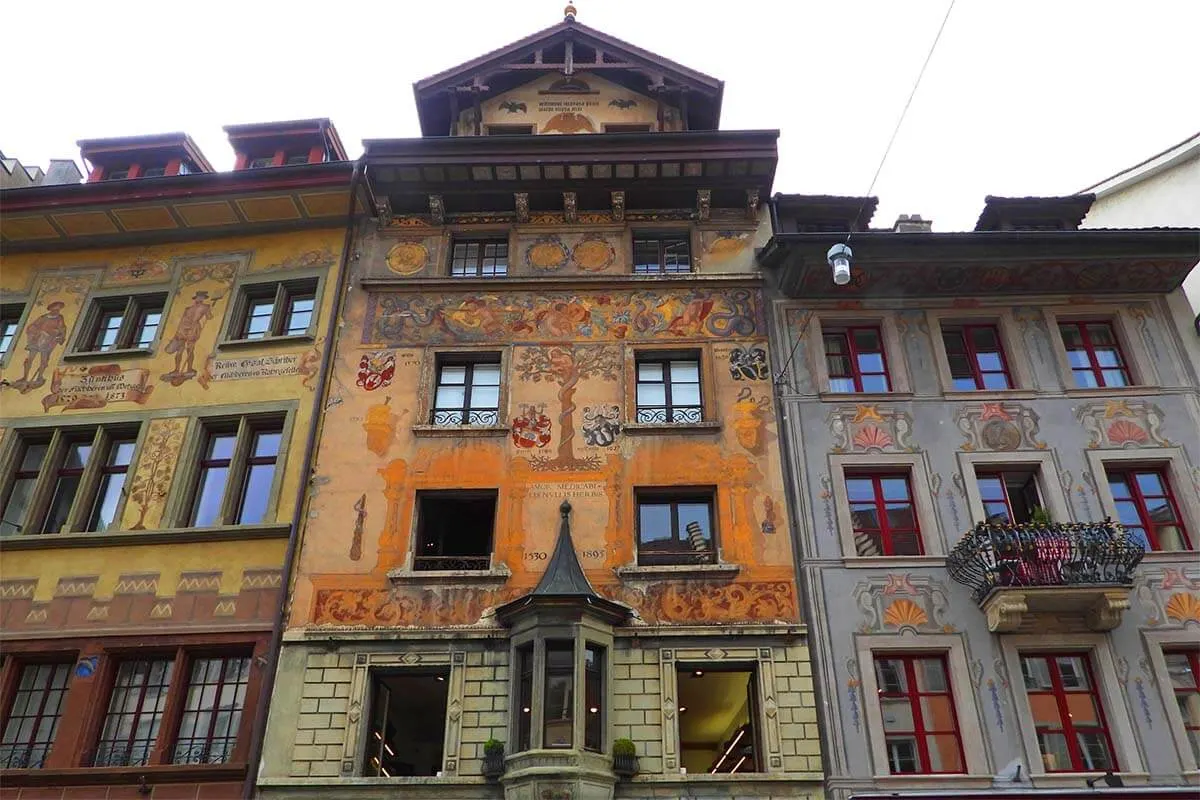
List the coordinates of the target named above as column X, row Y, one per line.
column 976, row 357
column 1009, row 497
column 468, row 391
column 454, row 530
column 919, row 721
column 593, row 688
column 10, row 318
column 67, row 480
column 121, row 323
column 1147, row 508
column 268, row 310
column 211, row 701
column 32, row 719
column 1094, row 354
column 508, row 130
column 153, row 171
column 479, row 258
column 524, row 696
column 1184, row 668
column 668, row 389
column 212, row 710
column 664, row 253
column 292, row 159
column 855, row 360
column 260, row 163
column 559, row 698
column 1072, row 733
column 717, row 713
column 407, row 724
column 116, row 174
column 238, row 459
column 566, row 716
column 883, row 516
column 675, row 528
column 135, row 712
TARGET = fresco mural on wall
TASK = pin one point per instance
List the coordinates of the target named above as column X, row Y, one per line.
column 42, row 334
column 998, row 426
column 1122, row 423
column 187, row 333
column 601, row 425
column 748, row 364
column 566, row 366
column 410, row 319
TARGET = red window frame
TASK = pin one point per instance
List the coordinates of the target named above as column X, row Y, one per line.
column 1138, row 498
column 1060, row 694
column 1097, row 371
column 846, row 334
column 22, row 752
column 132, row 743
column 885, row 529
column 1192, row 732
column 914, row 695
column 965, row 334
column 1001, row 475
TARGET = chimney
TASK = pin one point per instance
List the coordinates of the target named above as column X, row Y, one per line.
column 912, row 224
column 62, row 171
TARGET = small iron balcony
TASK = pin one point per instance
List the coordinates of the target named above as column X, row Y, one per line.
column 1054, row 569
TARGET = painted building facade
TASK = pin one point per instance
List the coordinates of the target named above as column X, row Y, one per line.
column 163, row 334
column 548, row 508
column 961, row 420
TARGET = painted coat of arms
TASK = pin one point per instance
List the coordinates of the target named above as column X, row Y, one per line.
column 375, row 370
column 532, row 428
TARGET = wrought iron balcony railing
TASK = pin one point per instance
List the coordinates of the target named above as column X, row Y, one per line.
column 991, row 556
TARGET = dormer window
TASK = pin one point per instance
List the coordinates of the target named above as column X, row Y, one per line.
column 156, row 171
column 116, row 174
column 259, row 163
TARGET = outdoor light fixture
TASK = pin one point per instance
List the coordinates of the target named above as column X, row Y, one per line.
column 839, row 258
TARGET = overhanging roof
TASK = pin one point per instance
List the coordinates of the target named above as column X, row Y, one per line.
column 502, row 69
column 165, row 145
column 1037, row 213
column 963, row 264
column 174, row 207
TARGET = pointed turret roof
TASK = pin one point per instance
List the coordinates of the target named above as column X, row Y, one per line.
column 563, row 582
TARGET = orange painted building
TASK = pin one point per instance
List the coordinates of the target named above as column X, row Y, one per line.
column 547, row 515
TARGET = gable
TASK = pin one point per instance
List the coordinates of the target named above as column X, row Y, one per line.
column 552, row 104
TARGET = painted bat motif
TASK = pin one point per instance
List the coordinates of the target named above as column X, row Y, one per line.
column 569, row 122
column 514, row 107
column 621, row 102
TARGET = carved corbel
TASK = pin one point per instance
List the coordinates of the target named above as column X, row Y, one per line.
column 522, row 199
column 618, row 206
column 437, row 210
column 383, row 211
column 752, row 204
column 570, row 207
column 1105, row 613
column 1004, row 612
column 704, row 204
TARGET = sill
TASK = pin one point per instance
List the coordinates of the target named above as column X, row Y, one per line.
column 990, row 394
column 470, row 431
column 1075, row 780
column 497, row 574
column 1103, row 391
column 51, row 541
column 1169, row 556
column 641, row 572
column 668, row 428
column 108, row 355
column 269, row 341
column 893, row 562
column 947, row 781
column 155, row 773
column 854, row 397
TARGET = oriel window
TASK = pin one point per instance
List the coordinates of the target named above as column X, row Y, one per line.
column 559, row 699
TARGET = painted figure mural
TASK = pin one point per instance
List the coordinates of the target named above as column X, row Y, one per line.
column 42, row 335
column 187, row 332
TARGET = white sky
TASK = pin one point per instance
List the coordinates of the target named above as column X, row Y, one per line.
column 1022, row 96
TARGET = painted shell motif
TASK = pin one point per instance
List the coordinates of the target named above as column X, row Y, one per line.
column 905, row 612
column 1183, row 607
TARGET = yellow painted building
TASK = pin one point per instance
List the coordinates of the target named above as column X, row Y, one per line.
column 164, row 329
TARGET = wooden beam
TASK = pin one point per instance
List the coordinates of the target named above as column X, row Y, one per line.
column 561, row 66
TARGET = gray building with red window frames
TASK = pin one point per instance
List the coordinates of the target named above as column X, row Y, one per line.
column 992, row 440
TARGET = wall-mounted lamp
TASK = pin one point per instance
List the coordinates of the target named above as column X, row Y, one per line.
column 1109, row 779
column 839, row 258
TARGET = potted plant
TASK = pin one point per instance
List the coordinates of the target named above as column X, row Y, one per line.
column 1040, row 516
column 625, row 762
column 493, row 759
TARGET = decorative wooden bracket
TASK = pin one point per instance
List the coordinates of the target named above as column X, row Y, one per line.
column 752, row 204
column 618, row 206
column 522, row 201
column 437, row 209
column 570, row 207
column 704, row 204
column 383, row 210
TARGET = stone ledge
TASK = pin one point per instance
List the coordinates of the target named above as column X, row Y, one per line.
column 641, row 572
column 1102, row 604
column 497, row 574
column 49, row 541
column 464, row 431
column 669, row 428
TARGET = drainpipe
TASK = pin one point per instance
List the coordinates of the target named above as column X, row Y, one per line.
column 310, row 446
column 795, row 497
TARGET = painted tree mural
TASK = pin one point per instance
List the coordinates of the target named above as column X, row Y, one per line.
column 567, row 366
column 155, row 467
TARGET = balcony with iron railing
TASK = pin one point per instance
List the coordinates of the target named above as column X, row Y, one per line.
column 1018, row 572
